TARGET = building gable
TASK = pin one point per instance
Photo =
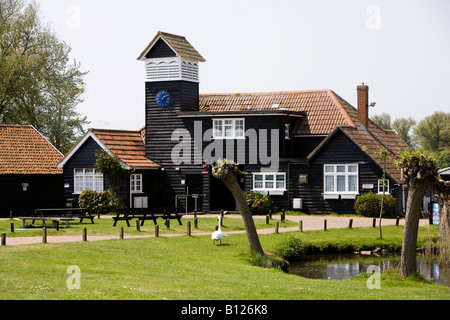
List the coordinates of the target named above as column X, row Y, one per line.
column 160, row 50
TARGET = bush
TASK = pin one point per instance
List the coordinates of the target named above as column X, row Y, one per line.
column 268, row 261
column 258, row 203
column 100, row 202
column 369, row 205
column 290, row 249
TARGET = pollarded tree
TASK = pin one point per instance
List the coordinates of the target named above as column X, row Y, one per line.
column 420, row 173
column 227, row 171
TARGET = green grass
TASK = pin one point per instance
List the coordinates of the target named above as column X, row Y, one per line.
column 104, row 226
column 190, row 268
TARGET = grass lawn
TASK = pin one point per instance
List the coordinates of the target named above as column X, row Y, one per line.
column 192, row 268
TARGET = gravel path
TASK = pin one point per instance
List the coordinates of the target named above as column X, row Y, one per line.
column 309, row 223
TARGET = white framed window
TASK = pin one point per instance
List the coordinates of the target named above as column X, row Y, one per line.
column 270, row 181
column 340, row 179
column 87, row 179
column 228, row 128
column 136, row 183
column 381, row 185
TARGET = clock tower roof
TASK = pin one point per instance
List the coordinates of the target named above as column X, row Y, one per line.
column 178, row 44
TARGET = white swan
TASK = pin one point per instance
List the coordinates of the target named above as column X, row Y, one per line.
column 218, row 234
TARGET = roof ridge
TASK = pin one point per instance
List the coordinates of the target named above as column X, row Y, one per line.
column 263, row 93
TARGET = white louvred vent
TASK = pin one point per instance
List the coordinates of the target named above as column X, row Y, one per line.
column 171, row 69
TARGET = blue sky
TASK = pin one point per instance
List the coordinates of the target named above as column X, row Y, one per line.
column 400, row 49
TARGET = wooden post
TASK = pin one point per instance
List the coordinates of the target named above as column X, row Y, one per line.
column 84, row 234
column 138, row 225
column 57, row 225
column 350, row 224
column 267, row 219
column 397, row 221
column 282, row 215
column 196, row 223
column 325, row 224
column 12, row 226
column 44, row 235
column 276, row 227
column 270, row 214
column 121, row 232
column 156, row 230
column 300, row 225
column 374, row 223
column 3, row 239
column 189, row 228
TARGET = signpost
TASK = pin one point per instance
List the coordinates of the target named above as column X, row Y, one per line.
column 436, row 214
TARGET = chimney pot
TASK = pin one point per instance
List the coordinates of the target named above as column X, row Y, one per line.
column 363, row 104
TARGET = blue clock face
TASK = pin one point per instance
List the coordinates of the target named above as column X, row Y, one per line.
column 162, row 99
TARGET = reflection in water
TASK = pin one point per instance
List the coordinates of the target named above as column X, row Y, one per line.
column 345, row 266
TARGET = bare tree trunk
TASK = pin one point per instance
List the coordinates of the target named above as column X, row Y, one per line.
column 442, row 193
column 253, row 239
column 416, row 193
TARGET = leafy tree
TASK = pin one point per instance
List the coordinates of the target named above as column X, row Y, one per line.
column 113, row 170
column 419, row 173
column 404, row 127
column 432, row 135
column 383, row 120
column 38, row 85
column 227, row 172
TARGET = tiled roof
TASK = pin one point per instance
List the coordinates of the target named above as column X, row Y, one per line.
column 178, row 43
column 127, row 145
column 23, row 150
column 325, row 111
column 323, row 107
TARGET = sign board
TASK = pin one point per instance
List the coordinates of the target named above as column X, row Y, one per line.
column 436, row 214
column 367, row 186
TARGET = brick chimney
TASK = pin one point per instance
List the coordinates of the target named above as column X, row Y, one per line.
column 363, row 105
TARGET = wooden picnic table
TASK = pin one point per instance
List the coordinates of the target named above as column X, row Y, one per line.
column 81, row 213
column 146, row 214
column 54, row 220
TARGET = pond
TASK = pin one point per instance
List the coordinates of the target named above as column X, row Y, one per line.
column 345, row 266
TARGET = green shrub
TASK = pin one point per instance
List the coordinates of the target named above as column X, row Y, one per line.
column 290, row 249
column 258, row 203
column 100, row 202
column 369, row 205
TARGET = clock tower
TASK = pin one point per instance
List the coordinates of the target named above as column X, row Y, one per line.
column 171, row 87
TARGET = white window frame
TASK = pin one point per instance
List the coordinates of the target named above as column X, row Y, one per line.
column 82, row 180
column 380, row 184
column 346, row 193
column 136, row 187
column 220, row 126
column 275, row 189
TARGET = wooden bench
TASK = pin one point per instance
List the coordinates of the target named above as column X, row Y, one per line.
column 54, row 220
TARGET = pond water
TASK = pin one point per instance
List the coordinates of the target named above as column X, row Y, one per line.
column 345, row 266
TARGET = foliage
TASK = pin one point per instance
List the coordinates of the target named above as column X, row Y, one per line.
column 404, row 127
column 111, row 167
column 416, row 165
column 258, row 203
column 432, row 135
column 291, row 249
column 383, row 120
column 369, row 205
column 38, row 84
column 100, row 202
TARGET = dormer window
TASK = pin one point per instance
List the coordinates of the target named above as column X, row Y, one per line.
column 228, row 129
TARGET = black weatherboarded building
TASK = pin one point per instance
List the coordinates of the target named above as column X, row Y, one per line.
column 309, row 150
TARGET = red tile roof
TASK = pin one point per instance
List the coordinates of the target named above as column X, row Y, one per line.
column 323, row 107
column 23, row 150
column 127, row 145
column 325, row 111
